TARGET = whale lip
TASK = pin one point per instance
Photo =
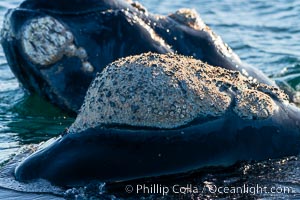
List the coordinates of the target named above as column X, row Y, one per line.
column 112, row 154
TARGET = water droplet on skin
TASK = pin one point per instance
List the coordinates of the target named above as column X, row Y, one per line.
column 245, row 72
column 87, row 67
column 81, row 53
column 70, row 50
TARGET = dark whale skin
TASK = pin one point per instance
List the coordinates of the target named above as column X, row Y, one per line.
column 124, row 153
column 105, row 29
column 117, row 153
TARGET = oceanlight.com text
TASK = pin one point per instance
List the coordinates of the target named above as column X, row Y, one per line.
column 164, row 190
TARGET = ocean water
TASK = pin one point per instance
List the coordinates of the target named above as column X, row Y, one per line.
column 265, row 34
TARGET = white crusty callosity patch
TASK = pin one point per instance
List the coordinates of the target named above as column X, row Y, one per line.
column 169, row 91
column 191, row 18
column 45, row 41
column 253, row 104
column 188, row 17
column 138, row 6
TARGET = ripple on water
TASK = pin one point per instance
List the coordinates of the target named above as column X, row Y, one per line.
column 10, row 188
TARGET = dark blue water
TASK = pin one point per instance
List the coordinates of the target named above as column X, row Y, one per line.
column 265, row 34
